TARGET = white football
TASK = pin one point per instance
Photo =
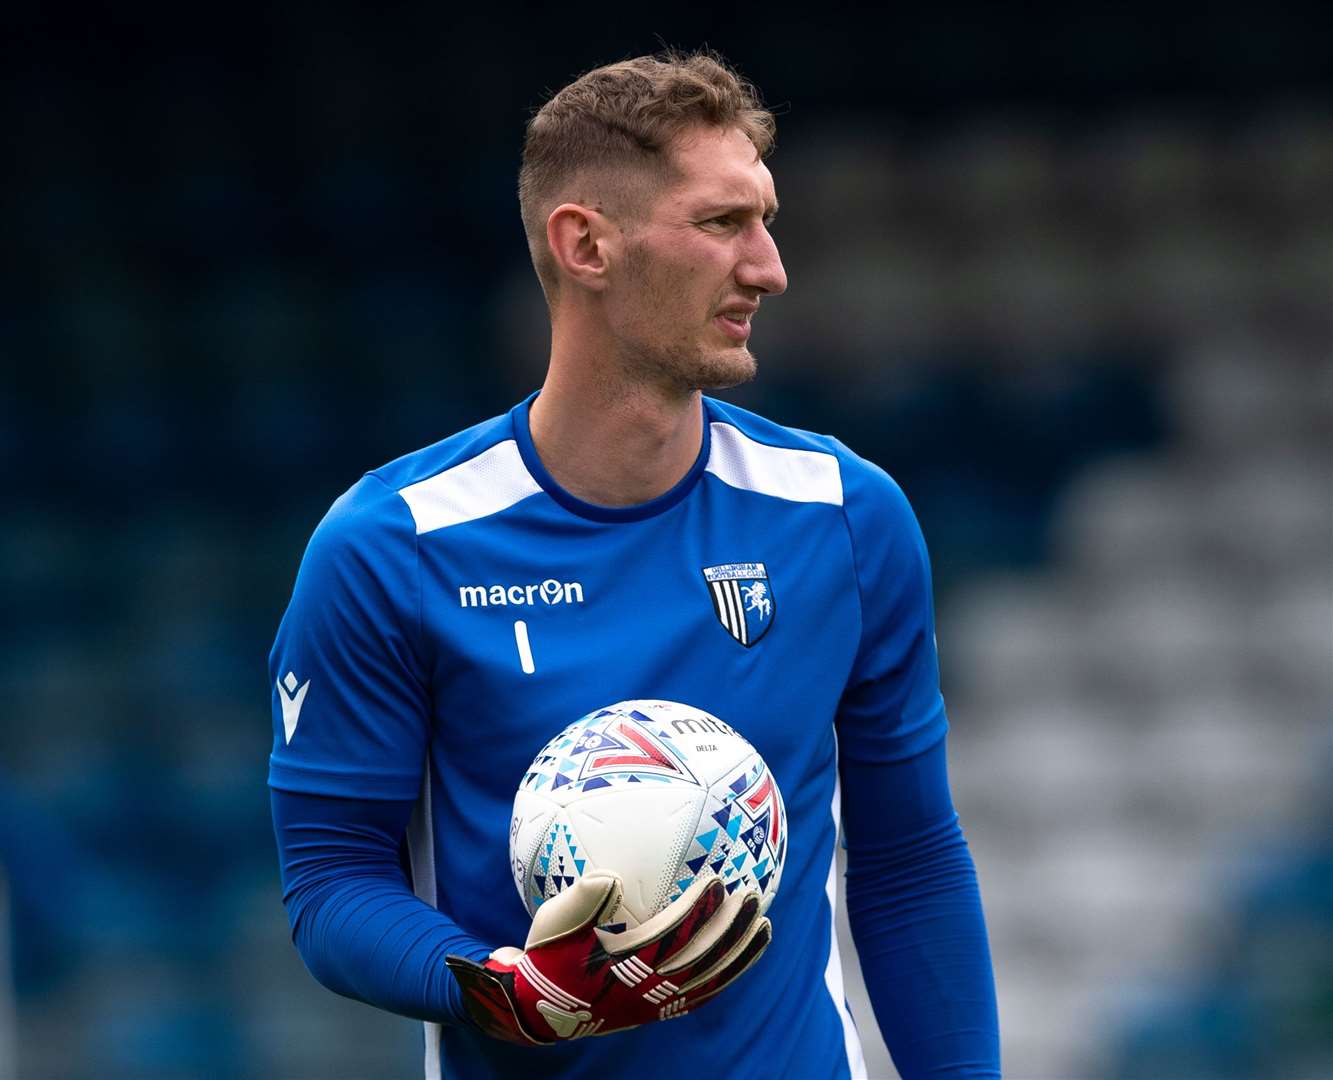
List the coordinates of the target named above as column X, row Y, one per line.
column 655, row 791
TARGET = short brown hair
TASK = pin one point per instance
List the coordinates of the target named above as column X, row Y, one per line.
column 615, row 126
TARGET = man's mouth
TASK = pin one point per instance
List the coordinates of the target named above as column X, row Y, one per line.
column 734, row 322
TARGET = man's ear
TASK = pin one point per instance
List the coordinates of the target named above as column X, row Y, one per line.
column 579, row 239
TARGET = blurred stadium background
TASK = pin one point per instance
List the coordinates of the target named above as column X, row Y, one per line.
column 1067, row 277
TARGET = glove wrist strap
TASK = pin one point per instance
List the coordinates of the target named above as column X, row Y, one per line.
column 489, row 998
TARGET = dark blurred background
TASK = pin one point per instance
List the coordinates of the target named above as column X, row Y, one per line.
column 1066, row 275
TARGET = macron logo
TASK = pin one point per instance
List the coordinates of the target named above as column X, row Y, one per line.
column 550, row 591
column 292, row 700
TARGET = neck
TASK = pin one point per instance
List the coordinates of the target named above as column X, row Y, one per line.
column 610, row 440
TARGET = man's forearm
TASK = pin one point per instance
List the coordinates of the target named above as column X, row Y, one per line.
column 355, row 921
column 916, row 917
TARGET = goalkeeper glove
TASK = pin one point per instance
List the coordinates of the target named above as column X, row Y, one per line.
column 574, row 979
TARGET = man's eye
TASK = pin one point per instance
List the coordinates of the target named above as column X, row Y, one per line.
column 724, row 220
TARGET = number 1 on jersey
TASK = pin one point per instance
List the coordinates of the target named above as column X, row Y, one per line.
column 524, row 647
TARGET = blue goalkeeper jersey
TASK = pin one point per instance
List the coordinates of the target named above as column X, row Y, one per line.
column 456, row 608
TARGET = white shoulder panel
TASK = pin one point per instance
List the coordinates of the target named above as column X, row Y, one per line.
column 798, row 475
column 486, row 484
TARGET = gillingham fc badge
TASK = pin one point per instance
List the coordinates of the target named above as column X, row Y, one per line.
column 742, row 599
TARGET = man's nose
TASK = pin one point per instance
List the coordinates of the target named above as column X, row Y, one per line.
column 761, row 267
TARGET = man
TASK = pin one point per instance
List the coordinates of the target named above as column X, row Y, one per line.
column 421, row 664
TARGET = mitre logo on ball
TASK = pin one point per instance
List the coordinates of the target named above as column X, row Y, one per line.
column 655, row 791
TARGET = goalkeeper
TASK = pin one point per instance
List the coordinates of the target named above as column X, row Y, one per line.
column 457, row 606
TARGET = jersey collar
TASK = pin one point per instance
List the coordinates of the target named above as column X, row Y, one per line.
column 638, row 512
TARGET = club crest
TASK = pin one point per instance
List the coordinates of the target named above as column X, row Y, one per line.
column 742, row 599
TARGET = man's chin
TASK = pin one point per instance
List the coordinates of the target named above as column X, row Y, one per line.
column 735, row 367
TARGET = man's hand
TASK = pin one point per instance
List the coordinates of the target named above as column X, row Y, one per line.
column 574, row 979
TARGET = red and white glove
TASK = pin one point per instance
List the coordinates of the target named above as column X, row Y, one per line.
column 574, row 979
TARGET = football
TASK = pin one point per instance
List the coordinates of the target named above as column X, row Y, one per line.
column 655, row 791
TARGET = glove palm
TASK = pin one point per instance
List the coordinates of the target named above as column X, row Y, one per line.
column 574, row 979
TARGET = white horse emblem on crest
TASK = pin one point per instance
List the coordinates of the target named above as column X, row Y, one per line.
column 756, row 599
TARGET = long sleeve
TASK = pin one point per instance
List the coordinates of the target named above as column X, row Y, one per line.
column 351, row 718
column 357, row 924
column 912, row 896
column 916, row 917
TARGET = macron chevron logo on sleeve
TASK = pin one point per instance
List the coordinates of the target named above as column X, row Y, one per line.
column 292, row 700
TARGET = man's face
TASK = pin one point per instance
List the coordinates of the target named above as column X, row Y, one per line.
column 695, row 265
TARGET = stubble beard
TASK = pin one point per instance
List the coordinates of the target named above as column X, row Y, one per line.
column 686, row 364
column 687, row 368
